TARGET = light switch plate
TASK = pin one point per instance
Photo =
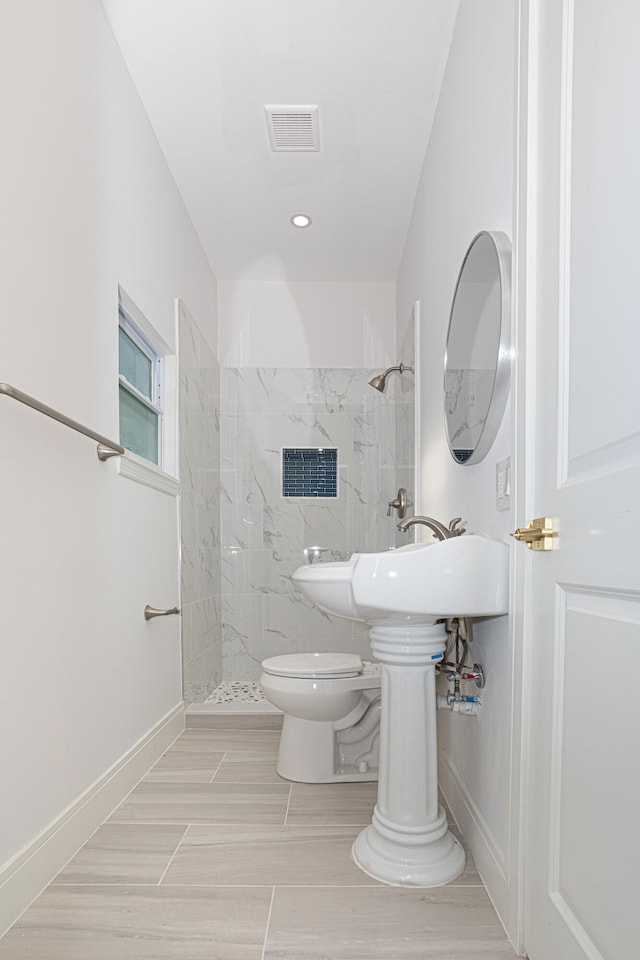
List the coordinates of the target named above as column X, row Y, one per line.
column 503, row 484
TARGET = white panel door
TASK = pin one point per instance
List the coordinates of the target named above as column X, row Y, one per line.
column 582, row 621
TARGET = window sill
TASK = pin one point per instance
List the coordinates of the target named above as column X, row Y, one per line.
column 143, row 471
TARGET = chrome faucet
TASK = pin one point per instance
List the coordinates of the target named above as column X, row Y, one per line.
column 439, row 529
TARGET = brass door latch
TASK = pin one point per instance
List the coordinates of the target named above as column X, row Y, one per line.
column 538, row 535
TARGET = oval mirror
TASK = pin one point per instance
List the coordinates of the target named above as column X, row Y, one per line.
column 476, row 363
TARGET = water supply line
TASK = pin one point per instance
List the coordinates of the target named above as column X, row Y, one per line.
column 457, row 672
column 458, row 706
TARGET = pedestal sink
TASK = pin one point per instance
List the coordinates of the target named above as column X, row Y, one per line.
column 402, row 594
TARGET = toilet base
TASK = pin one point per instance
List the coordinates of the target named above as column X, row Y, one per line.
column 309, row 753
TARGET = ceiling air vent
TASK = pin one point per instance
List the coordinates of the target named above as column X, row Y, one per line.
column 293, row 128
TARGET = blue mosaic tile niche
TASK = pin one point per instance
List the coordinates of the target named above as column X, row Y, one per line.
column 309, row 472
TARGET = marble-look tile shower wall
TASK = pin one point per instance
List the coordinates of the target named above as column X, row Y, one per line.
column 404, row 394
column 199, row 512
column 264, row 536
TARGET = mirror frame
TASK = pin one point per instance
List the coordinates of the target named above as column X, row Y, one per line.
column 500, row 392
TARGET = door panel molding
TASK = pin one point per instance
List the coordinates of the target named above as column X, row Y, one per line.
column 602, row 458
column 607, row 611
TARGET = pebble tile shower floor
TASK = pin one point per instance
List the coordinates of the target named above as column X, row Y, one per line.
column 213, row 856
column 237, row 691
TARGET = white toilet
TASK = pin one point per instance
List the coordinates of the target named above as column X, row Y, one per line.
column 331, row 706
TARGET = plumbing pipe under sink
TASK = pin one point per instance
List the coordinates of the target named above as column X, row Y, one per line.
column 457, row 706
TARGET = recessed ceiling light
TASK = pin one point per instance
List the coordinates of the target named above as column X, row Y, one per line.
column 300, row 220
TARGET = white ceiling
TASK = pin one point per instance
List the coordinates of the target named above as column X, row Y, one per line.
column 206, row 68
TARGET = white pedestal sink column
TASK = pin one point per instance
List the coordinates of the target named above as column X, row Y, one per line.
column 408, row 841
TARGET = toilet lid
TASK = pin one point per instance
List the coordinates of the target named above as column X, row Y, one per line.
column 314, row 665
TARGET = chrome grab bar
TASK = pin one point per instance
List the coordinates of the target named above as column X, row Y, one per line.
column 106, row 448
column 150, row 612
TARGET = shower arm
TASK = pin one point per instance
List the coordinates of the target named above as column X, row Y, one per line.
column 379, row 382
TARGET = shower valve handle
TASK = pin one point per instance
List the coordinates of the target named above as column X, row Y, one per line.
column 399, row 504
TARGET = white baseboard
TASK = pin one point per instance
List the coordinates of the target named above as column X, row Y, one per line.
column 27, row 874
column 489, row 858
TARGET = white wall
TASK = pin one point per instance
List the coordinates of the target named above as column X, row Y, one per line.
column 466, row 186
column 296, row 324
column 87, row 203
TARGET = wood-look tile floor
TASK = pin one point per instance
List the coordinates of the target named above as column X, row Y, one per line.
column 213, row 856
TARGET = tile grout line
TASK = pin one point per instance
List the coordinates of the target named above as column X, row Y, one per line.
column 266, row 932
column 220, row 762
column 173, row 856
column 224, row 823
column 373, row 885
column 286, row 813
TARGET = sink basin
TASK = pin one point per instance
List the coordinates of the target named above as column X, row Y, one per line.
column 466, row 576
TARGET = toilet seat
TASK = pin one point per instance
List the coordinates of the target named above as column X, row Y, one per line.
column 321, row 666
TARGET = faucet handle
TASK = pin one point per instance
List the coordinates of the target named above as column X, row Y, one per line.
column 453, row 527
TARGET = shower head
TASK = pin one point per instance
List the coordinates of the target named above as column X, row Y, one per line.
column 380, row 381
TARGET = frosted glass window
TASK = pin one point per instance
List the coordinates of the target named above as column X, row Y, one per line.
column 138, row 426
column 135, row 366
column 140, row 391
